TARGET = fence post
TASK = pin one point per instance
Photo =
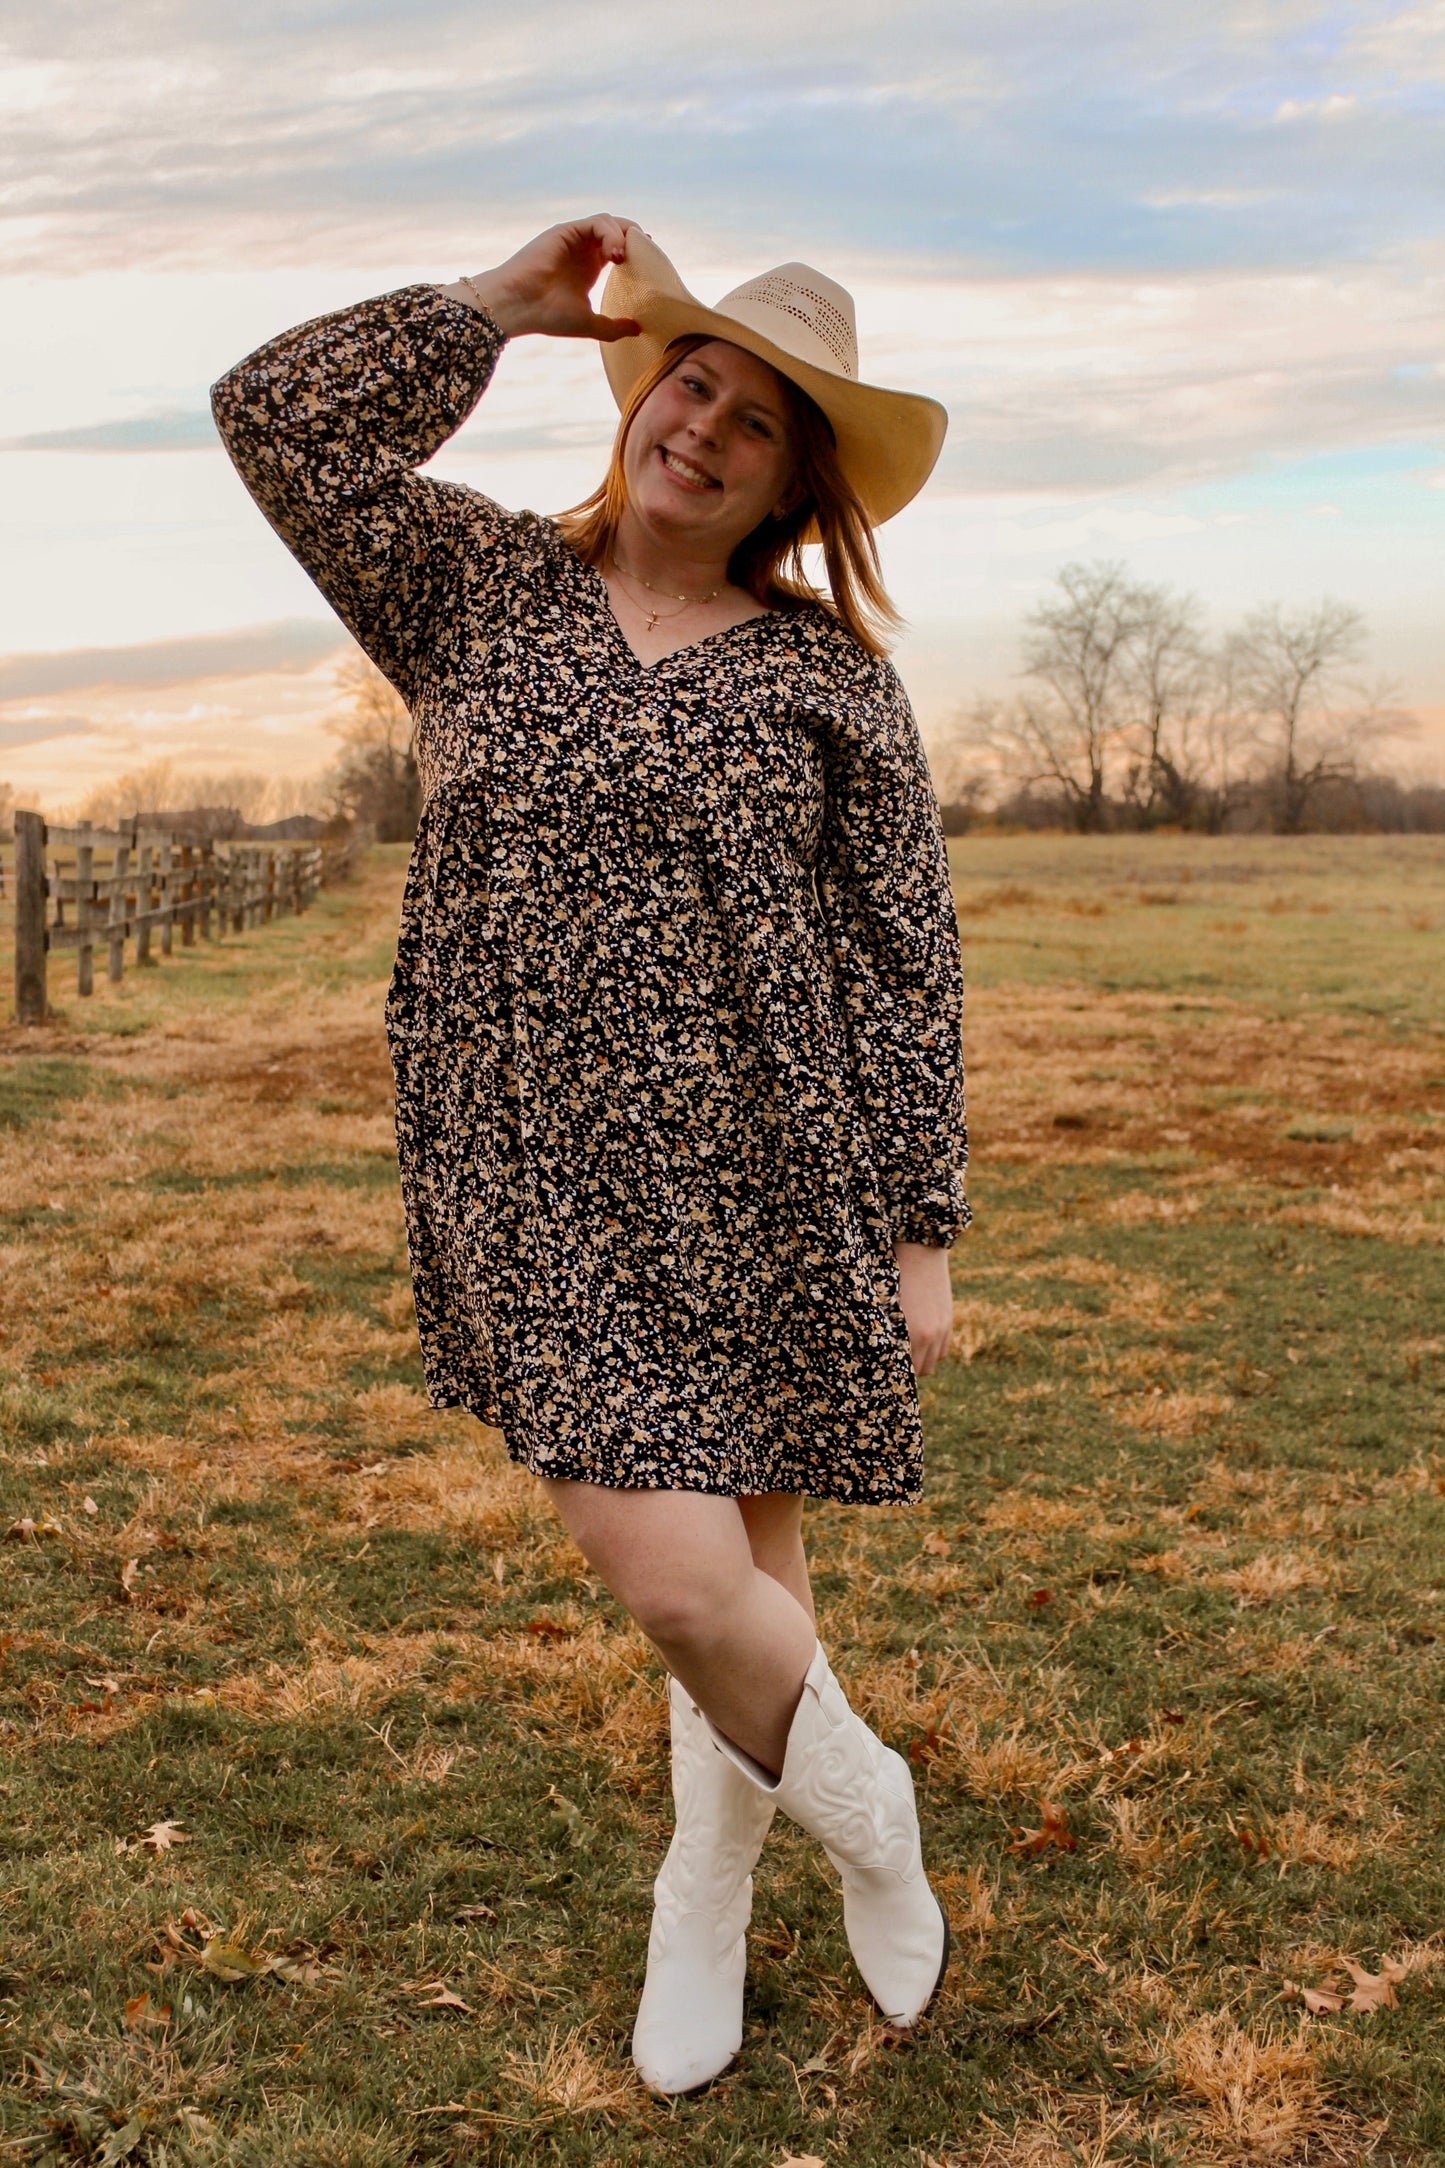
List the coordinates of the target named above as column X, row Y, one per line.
column 119, row 870
column 143, row 906
column 188, row 891
column 166, row 882
column 29, row 919
column 208, row 883
column 84, row 913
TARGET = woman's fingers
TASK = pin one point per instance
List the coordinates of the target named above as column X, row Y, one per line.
column 608, row 328
column 593, row 242
column 610, row 234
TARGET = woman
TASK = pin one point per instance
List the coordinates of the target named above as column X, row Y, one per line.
column 675, row 1014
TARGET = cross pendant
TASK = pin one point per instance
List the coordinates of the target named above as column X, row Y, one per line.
column 652, row 619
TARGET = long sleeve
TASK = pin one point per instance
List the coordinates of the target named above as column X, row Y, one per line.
column 326, row 424
column 883, row 886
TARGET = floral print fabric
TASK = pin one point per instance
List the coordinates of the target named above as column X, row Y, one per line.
column 675, row 1018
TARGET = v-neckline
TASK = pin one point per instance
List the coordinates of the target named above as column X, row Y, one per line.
column 603, row 599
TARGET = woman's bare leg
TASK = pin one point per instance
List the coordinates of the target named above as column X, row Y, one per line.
column 774, row 1522
column 682, row 1564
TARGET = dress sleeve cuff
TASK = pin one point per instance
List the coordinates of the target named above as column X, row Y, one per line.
column 480, row 315
column 935, row 1219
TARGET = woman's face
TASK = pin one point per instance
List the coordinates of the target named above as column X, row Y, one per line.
column 707, row 456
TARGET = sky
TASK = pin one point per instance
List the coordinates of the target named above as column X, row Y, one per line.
column 1178, row 276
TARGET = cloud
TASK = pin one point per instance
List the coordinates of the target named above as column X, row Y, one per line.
column 37, row 729
column 170, row 429
column 1113, row 383
column 291, row 645
column 991, row 135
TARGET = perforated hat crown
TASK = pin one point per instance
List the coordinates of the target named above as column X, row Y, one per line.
column 803, row 324
column 821, row 326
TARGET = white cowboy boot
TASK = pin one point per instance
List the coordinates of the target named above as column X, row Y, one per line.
column 690, row 2020
column 841, row 1784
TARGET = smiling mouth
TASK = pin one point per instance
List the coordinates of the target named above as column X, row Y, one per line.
column 693, row 476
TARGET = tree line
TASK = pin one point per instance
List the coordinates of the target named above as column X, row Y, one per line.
column 1131, row 715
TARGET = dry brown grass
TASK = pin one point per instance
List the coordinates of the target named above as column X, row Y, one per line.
column 1109, row 1560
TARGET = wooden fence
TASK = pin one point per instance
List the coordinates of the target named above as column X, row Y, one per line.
column 87, row 888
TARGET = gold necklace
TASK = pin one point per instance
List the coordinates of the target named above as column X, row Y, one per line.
column 689, row 602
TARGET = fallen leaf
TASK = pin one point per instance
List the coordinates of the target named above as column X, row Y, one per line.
column 924, row 1749
column 1375, row 1990
column 22, row 1531
column 298, row 1971
column 129, row 1569
column 123, row 2143
column 1038, row 1597
column 937, row 1546
column 801, row 2160
column 547, row 1628
column 1321, row 2000
column 474, row 1912
column 1052, row 1834
column 141, row 2012
column 228, row 1961
column 1171, row 1716
column 443, row 1999
column 162, row 1835
column 88, row 1505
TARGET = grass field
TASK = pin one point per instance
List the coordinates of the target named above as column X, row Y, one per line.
column 332, row 1787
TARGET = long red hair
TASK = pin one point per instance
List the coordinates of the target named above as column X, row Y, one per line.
column 768, row 563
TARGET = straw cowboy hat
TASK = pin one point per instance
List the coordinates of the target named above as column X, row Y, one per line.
column 803, row 324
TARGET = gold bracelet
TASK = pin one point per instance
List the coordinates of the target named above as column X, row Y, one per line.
column 471, row 286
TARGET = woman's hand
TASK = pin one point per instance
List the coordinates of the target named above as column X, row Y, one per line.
column 927, row 1294
column 545, row 286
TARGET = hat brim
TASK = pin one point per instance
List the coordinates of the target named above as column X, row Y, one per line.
column 888, row 441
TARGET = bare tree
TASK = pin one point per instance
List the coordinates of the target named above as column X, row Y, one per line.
column 1165, row 669
column 1078, row 650
column 1134, row 716
column 1293, row 670
column 218, row 802
column 375, row 781
column 1068, row 731
column 1220, row 743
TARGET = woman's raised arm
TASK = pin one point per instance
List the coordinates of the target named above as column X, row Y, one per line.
column 326, row 425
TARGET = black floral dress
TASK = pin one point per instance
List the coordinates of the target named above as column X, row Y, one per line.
column 675, row 1017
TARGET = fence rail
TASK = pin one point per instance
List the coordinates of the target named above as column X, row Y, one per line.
column 85, row 888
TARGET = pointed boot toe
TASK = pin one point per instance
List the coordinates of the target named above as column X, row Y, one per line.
column 855, row 1795
column 690, row 2019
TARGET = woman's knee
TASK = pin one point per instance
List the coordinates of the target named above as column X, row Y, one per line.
column 677, row 1563
column 682, row 1611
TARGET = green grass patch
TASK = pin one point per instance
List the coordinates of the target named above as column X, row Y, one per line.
column 294, row 1666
